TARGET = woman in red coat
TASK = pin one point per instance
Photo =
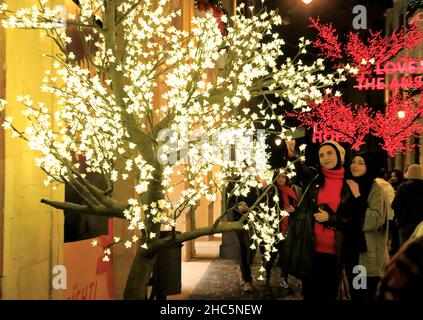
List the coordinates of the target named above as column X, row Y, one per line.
column 287, row 202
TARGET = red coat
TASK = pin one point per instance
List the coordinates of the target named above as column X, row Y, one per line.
column 288, row 198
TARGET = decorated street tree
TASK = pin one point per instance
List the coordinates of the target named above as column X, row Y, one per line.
column 368, row 61
column 147, row 110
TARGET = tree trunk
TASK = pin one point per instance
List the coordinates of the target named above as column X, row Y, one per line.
column 143, row 263
column 139, row 276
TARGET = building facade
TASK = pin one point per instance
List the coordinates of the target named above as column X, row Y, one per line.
column 405, row 12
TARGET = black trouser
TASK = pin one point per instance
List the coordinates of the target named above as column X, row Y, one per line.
column 268, row 265
column 323, row 282
column 368, row 293
column 247, row 254
column 281, row 245
column 351, row 262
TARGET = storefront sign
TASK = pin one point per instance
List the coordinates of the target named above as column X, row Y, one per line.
column 410, row 75
column 320, row 136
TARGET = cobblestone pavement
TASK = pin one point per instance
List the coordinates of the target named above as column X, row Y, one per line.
column 221, row 282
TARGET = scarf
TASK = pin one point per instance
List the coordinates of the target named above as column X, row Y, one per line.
column 329, row 194
column 289, row 198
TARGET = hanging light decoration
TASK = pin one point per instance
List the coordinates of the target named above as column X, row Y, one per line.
column 401, row 114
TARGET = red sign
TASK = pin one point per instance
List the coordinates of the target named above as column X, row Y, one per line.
column 320, row 136
column 88, row 276
column 410, row 76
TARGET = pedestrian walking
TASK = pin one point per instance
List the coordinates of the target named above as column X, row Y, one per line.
column 408, row 202
column 241, row 205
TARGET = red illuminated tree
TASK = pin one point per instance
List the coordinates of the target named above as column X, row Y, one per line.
column 363, row 59
column 360, row 54
column 343, row 122
column 401, row 120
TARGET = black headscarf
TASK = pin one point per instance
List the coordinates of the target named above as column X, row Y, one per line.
column 365, row 181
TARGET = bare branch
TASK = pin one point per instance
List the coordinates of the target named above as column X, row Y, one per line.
column 115, row 211
column 186, row 236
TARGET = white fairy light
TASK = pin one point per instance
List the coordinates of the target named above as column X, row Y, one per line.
column 96, row 123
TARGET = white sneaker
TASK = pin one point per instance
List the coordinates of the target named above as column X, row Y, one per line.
column 284, row 283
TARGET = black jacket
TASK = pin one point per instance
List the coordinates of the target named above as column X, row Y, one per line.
column 408, row 203
column 232, row 200
column 299, row 245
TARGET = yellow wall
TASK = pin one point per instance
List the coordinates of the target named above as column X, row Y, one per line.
column 2, row 96
column 33, row 233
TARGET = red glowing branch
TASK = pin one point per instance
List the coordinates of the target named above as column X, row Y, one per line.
column 327, row 40
column 395, row 128
column 344, row 123
column 351, row 124
column 366, row 54
column 371, row 59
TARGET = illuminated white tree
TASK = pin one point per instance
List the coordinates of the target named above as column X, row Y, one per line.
column 110, row 118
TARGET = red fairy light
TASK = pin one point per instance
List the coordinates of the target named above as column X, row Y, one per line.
column 395, row 130
column 344, row 123
column 357, row 52
column 372, row 59
column 327, row 40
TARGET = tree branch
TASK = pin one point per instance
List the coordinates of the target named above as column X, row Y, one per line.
column 98, row 22
column 186, row 236
column 114, row 211
column 123, row 17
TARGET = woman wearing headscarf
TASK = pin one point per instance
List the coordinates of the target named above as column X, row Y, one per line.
column 314, row 242
column 366, row 239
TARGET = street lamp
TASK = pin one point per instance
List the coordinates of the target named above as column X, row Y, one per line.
column 401, row 114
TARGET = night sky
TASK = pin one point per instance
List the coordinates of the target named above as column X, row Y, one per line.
column 339, row 12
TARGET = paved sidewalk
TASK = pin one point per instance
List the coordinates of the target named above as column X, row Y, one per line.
column 221, row 282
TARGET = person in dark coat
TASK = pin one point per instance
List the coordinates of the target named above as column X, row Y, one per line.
column 241, row 206
column 314, row 242
column 396, row 178
column 408, row 202
column 403, row 278
column 368, row 239
column 287, row 201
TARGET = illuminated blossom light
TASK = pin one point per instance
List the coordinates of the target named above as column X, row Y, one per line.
column 95, row 122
